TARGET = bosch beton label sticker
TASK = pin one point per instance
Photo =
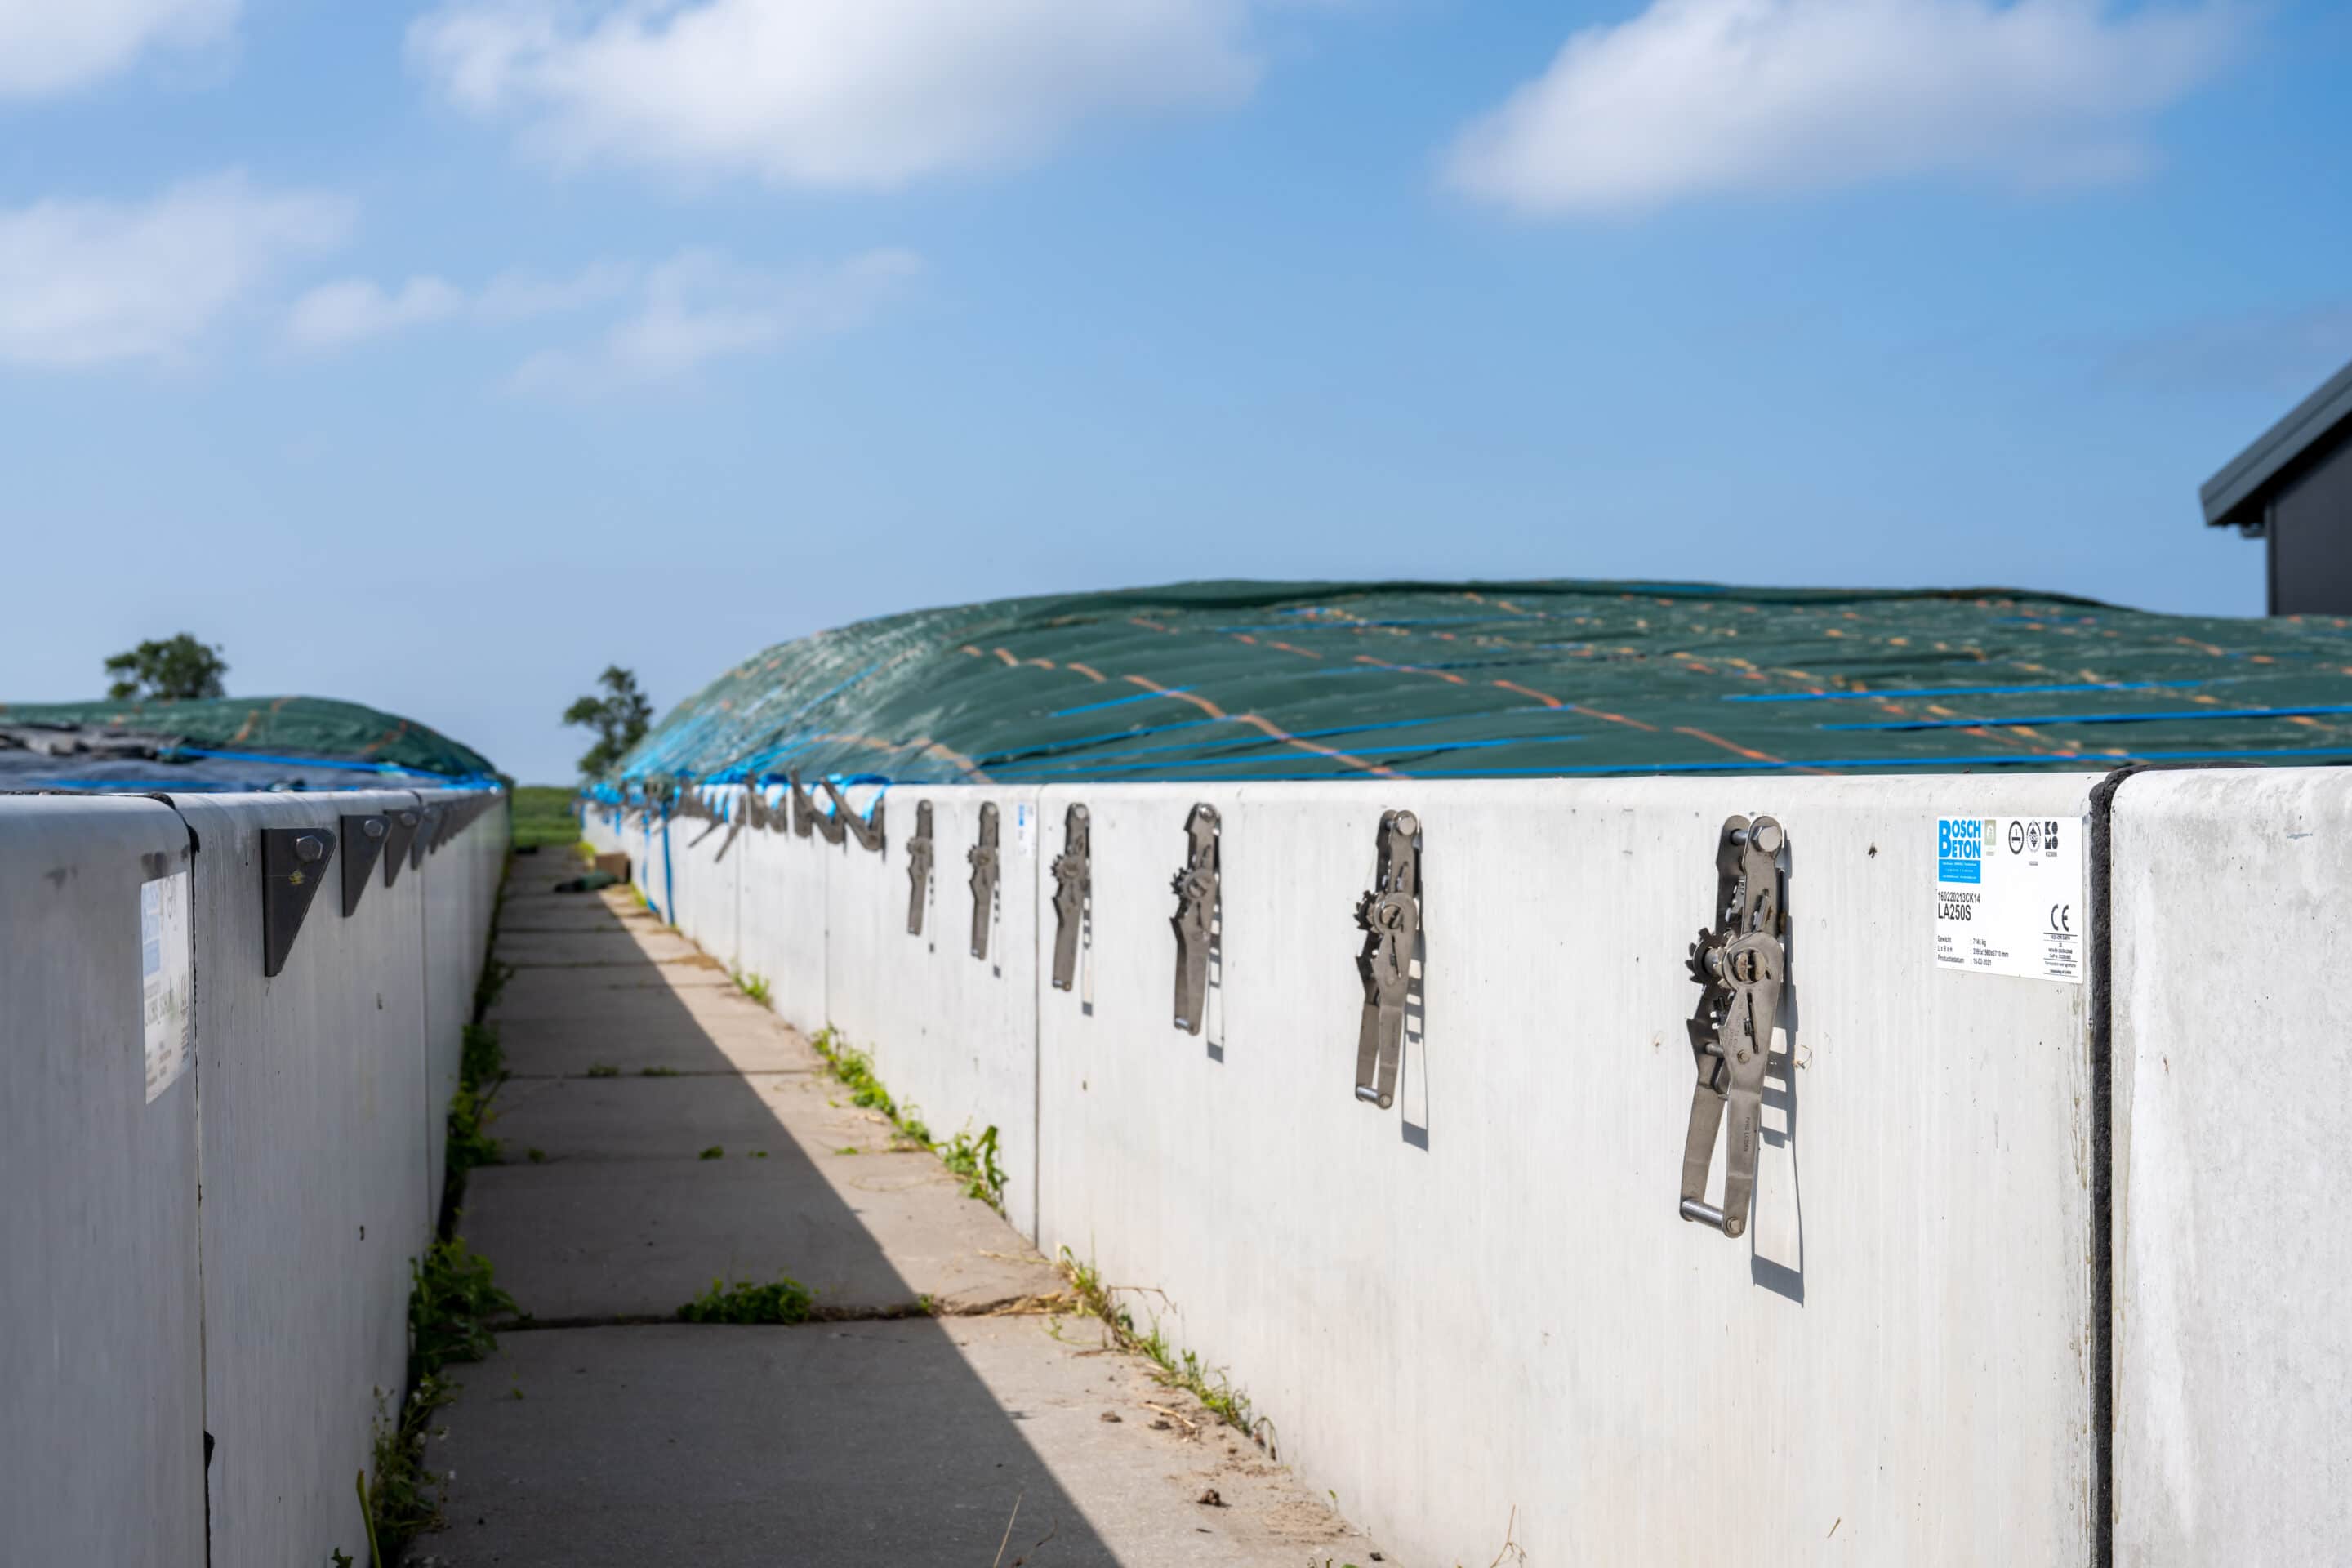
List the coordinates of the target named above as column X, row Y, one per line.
column 2009, row 896
column 166, row 979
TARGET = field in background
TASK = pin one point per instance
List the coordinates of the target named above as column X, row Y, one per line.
column 542, row 815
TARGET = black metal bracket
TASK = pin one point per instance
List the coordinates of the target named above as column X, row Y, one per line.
column 400, row 832
column 363, row 842
column 427, row 837
column 293, row 867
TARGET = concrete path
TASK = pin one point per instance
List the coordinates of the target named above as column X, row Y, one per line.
column 662, row 1131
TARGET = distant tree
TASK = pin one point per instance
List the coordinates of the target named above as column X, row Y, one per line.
column 619, row 719
column 174, row 669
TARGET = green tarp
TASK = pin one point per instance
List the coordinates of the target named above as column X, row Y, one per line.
column 1240, row 680
column 241, row 741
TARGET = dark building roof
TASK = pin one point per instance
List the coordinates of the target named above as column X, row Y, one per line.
column 2239, row 493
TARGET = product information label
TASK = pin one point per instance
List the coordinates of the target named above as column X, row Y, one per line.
column 166, row 974
column 2009, row 896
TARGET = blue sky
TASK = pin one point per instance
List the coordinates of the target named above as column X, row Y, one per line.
column 437, row 355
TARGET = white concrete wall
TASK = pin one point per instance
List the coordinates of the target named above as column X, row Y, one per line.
column 458, row 889
column 707, row 863
column 1484, row 1300
column 781, row 888
column 2233, row 933
column 101, row 1364
column 1481, row 1304
column 954, row 1037
column 271, row 1315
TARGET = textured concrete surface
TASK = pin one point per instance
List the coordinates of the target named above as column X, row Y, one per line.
column 596, row 1435
column 2232, row 1347
column 872, row 1443
column 616, row 947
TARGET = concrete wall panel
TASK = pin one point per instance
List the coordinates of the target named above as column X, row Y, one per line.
column 2232, row 1345
column 954, row 1036
column 707, row 862
column 1482, row 1301
column 315, row 1146
column 782, row 916
column 309, row 1119
column 101, row 1455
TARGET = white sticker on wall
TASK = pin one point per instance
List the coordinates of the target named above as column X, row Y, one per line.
column 2010, row 896
column 166, row 976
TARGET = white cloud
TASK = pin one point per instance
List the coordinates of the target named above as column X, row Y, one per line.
column 54, row 46
column 826, row 92
column 519, row 296
column 1702, row 97
column 700, row 306
column 353, row 310
column 86, row 283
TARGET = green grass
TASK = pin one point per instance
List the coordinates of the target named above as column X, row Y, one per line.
column 1173, row 1368
column 489, row 983
column 451, row 1298
column 481, row 1068
column 755, row 986
column 543, row 817
column 786, row 1301
column 974, row 1159
column 971, row 1157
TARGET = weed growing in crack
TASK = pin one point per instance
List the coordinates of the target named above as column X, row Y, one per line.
column 470, row 1143
column 493, row 980
column 1173, row 1369
column 601, row 1069
column 482, row 1063
column 451, row 1298
column 481, row 1068
column 755, row 986
column 403, row 1501
column 784, row 1300
column 974, row 1159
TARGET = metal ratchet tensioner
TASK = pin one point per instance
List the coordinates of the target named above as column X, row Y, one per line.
column 1073, row 881
column 919, row 868
column 805, row 812
column 1391, row 917
column 1196, row 911
column 1741, row 964
column 984, row 861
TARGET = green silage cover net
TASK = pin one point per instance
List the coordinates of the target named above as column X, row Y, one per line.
column 298, row 730
column 1259, row 681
